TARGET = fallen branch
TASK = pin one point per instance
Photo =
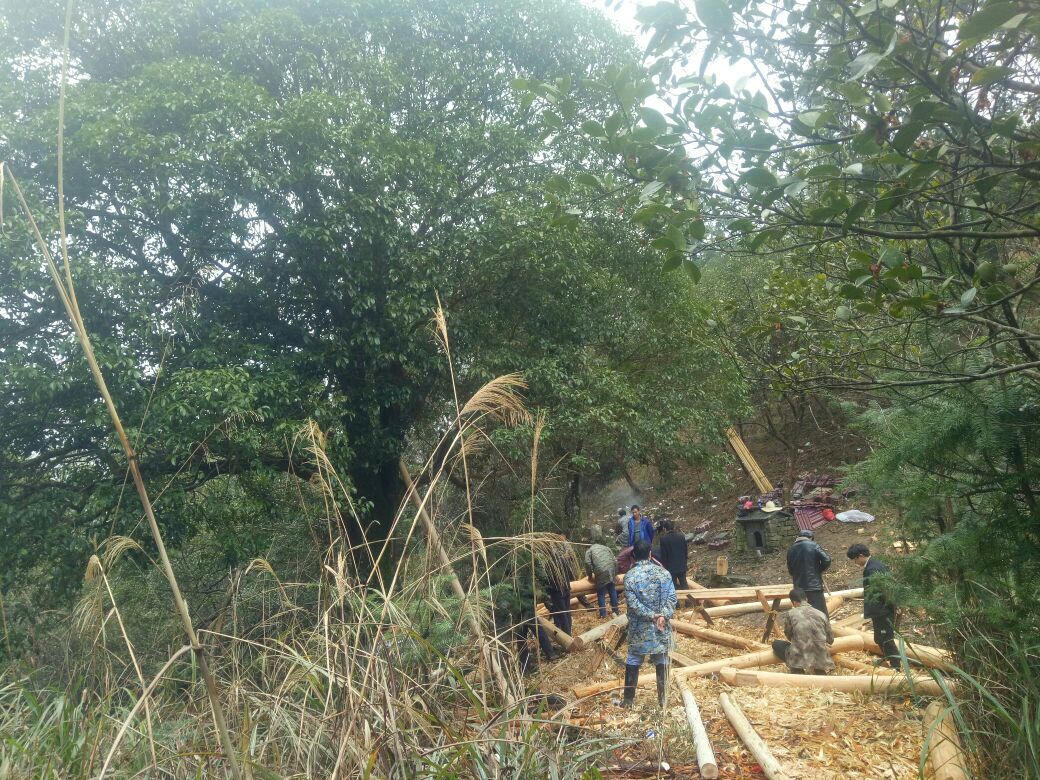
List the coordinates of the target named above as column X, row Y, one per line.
column 770, row 766
column 878, row 683
column 705, row 755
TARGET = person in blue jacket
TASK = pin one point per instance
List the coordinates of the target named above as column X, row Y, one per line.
column 639, row 527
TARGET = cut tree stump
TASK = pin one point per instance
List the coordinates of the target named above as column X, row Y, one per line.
column 886, row 684
column 770, row 766
column 943, row 744
column 705, row 755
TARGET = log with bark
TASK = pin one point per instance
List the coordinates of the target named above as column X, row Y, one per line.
column 706, row 763
column 943, row 744
column 770, row 766
column 878, row 683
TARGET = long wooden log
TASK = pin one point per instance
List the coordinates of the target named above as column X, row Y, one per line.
column 742, row 609
column 587, row 585
column 715, row 637
column 931, row 657
column 740, row 643
column 849, row 683
column 759, row 658
column 705, row 755
column 943, row 744
column 770, row 766
column 567, row 642
column 740, row 592
column 598, row 632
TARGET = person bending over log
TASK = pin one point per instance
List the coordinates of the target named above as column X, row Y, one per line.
column 882, row 614
column 651, row 600
column 808, row 633
column 601, row 565
column 806, row 561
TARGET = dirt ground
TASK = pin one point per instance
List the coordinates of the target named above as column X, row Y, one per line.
column 823, row 735
column 814, row 734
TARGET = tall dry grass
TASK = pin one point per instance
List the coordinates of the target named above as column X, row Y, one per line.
column 366, row 670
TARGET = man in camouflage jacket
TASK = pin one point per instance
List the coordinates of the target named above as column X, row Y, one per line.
column 809, row 634
column 650, row 595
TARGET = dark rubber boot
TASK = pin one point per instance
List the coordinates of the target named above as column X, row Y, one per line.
column 631, row 678
column 662, row 684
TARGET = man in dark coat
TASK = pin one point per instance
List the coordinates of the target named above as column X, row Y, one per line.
column 882, row 614
column 558, row 573
column 674, row 552
column 806, row 561
column 515, row 621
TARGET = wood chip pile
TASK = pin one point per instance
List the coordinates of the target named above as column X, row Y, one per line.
column 822, row 735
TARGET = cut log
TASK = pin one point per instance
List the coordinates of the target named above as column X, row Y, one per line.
column 943, row 744
column 705, row 755
column 931, row 657
column 760, row 658
column 715, row 637
column 585, row 585
column 770, row 766
column 559, row 636
column 600, row 631
column 722, row 565
column 834, row 602
column 880, row 683
column 737, row 592
column 742, row 609
column 680, row 660
column 852, row 621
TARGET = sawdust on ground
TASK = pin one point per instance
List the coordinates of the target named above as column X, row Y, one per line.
column 823, row 735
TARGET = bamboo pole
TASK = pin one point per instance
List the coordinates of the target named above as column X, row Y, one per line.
column 770, row 766
column 67, row 296
column 943, row 744
column 705, row 755
column 567, row 642
column 897, row 684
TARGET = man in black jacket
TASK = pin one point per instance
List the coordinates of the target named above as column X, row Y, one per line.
column 806, row 561
column 674, row 552
column 882, row 614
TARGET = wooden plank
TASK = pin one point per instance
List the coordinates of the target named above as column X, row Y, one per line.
column 748, row 461
column 739, row 592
